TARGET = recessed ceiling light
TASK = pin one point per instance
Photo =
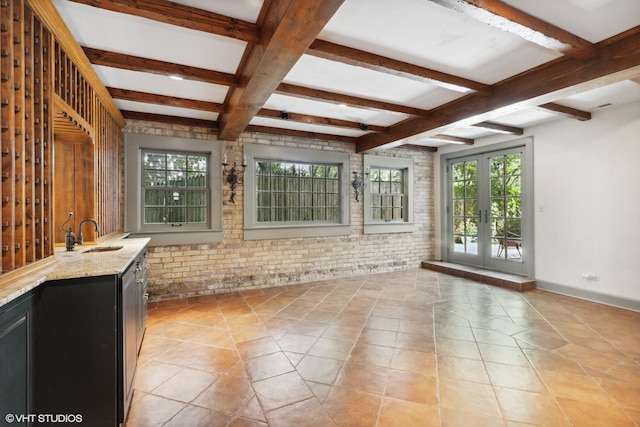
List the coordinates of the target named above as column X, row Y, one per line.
column 175, row 77
column 343, row 105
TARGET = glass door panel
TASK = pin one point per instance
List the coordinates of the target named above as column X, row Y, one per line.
column 485, row 214
column 465, row 207
column 506, row 206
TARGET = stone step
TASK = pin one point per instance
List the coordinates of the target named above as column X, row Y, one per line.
column 495, row 278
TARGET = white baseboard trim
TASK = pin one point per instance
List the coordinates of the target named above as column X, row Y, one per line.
column 612, row 300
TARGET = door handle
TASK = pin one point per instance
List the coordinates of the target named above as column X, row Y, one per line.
column 486, row 216
column 479, row 215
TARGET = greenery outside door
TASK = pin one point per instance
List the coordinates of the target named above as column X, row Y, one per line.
column 485, row 216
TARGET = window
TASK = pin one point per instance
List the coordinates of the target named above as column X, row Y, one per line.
column 387, row 194
column 175, row 188
column 172, row 191
column 388, row 204
column 294, row 192
column 297, row 192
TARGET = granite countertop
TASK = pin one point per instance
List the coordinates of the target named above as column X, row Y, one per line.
column 70, row 265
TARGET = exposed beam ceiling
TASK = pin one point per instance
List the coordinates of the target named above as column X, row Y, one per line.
column 500, row 15
column 289, row 28
column 359, row 58
column 326, row 121
column 497, row 127
column 136, row 63
column 288, row 33
column 562, row 110
column 136, row 96
column 183, row 16
column 622, row 54
column 300, row 134
column 177, row 120
column 347, row 100
column 455, row 139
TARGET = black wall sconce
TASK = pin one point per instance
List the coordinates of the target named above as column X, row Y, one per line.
column 234, row 176
column 359, row 183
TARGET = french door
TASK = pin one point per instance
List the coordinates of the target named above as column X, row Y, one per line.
column 486, row 224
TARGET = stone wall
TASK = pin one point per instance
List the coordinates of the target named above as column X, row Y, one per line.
column 236, row 264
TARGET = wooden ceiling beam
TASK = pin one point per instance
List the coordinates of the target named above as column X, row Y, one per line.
column 454, row 139
column 359, row 58
column 619, row 54
column 564, row 111
column 347, row 100
column 170, row 101
column 180, row 15
column 150, row 98
column 415, row 147
column 498, row 128
column 174, row 120
column 288, row 29
column 500, row 15
column 316, row 120
column 300, row 133
column 144, row 65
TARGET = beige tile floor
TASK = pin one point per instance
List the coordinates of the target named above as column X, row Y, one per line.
column 411, row 348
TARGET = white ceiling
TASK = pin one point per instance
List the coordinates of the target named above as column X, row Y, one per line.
column 419, row 32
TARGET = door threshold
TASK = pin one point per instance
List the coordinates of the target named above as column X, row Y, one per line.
column 490, row 277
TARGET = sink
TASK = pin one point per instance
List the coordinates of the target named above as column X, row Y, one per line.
column 103, row 249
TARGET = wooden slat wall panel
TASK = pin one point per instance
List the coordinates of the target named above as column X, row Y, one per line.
column 19, row 128
column 33, row 70
column 41, row 143
column 29, row 187
column 77, row 94
column 108, row 173
column 36, row 116
column 8, row 140
column 46, row 99
column 74, row 89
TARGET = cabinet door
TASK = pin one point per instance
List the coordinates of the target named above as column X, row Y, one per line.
column 77, row 364
column 15, row 363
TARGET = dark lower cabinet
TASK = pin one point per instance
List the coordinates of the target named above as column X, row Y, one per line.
column 69, row 350
column 86, row 347
column 16, row 363
column 77, row 347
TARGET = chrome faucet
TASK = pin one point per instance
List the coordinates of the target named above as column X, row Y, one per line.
column 80, row 236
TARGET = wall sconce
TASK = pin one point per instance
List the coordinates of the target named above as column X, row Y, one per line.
column 359, row 183
column 234, row 176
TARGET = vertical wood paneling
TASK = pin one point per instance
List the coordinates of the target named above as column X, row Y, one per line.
column 80, row 97
column 29, row 229
column 38, row 153
column 19, row 142
column 33, row 70
column 8, row 132
column 48, row 69
column 108, row 142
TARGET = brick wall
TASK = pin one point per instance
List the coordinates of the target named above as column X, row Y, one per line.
column 236, row 264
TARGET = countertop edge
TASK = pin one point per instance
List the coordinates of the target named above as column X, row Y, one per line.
column 77, row 264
